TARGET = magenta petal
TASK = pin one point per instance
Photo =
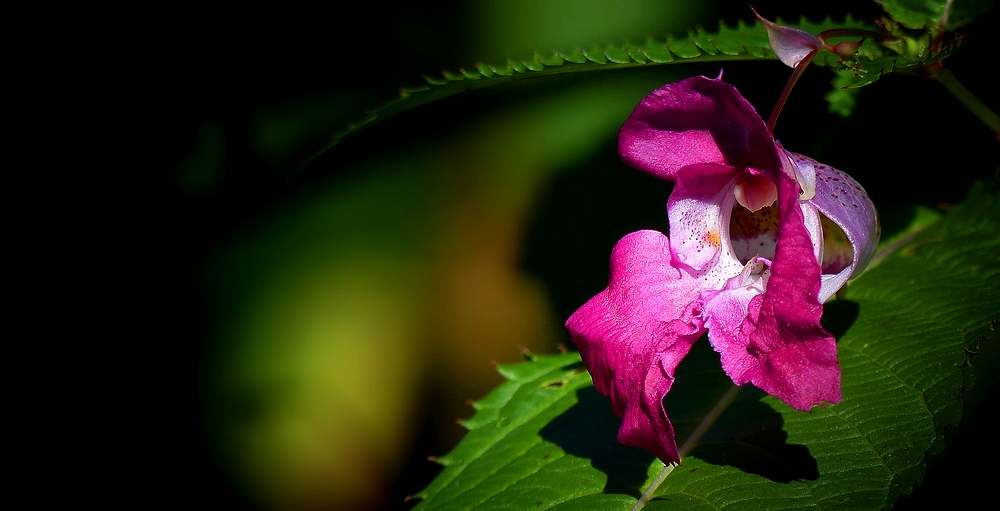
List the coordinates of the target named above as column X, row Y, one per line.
column 781, row 346
column 697, row 120
column 633, row 334
column 663, row 293
column 797, row 358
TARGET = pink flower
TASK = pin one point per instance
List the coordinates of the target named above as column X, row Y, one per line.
column 759, row 238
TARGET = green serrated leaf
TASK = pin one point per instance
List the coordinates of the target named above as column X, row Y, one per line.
column 743, row 42
column 575, row 56
column 549, row 60
column 595, row 55
column 546, row 440
column 619, row 55
column 500, row 70
column 686, row 48
column 505, row 430
column 517, row 66
column 635, row 53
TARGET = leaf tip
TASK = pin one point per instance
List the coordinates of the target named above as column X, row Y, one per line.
column 527, row 354
column 444, row 461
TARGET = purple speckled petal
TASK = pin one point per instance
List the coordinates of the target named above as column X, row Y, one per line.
column 697, row 209
column 841, row 199
column 805, row 175
column 697, row 120
column 633, row 334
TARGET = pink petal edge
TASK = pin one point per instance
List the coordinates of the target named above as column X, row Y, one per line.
column 693, row 121
column 633, row 334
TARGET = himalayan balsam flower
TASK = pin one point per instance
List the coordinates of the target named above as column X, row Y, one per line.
column 759, row 238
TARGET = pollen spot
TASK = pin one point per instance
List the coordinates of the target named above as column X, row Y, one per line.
column 712, row 238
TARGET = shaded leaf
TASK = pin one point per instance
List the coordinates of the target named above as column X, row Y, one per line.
column 928, row 13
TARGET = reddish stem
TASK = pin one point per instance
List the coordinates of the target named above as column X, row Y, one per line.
column 796, row 73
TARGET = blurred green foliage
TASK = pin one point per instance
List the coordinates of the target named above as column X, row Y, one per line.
column 499, row 30
column 392, row 281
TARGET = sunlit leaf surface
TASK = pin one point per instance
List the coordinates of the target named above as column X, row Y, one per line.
column 906, row 332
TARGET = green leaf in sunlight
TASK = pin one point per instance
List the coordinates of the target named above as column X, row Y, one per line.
column 546, row 440
column 742, row 42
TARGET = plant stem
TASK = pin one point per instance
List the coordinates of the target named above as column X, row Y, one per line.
column 653, row 485
column 967, row 98
column 689, row 444
column 796, row 73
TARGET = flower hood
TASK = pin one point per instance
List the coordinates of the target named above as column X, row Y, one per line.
column 759, row 238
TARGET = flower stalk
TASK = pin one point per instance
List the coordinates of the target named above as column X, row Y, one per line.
column 689, row 445
column 796, row 73
column 984, row 113
column 796, row 48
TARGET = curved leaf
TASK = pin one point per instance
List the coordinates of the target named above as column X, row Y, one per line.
column 546, row 440
column 743, row 42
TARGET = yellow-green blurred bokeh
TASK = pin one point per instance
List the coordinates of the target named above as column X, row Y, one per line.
column 342, row 311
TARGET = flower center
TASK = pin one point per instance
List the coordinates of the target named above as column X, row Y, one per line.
column 753, row 233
